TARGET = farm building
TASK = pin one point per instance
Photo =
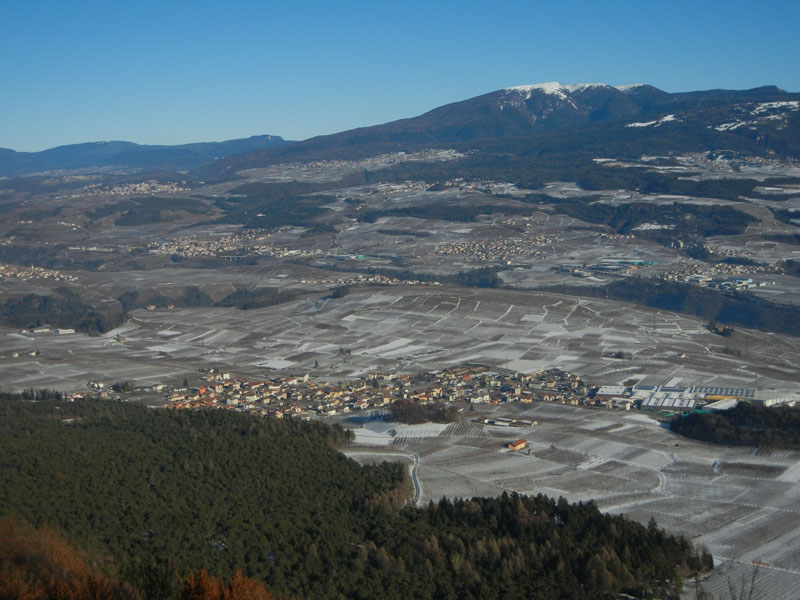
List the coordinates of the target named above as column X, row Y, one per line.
column 517, row 445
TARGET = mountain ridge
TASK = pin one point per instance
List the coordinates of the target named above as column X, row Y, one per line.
column 128, row 155
column 524, row 111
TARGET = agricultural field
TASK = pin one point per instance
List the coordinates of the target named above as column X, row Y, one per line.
column 740, row 503
column 407, row 329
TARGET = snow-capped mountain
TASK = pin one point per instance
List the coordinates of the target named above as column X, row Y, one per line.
column 554, row 104
column 563, row 116
column 608, row 114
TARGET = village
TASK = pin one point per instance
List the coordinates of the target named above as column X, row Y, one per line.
column 150, row 186
column 463, row 386
column 497, row 250
column 8, row 271
column 356, row 280
column 244, row 242
column 721, row 275
column 304, row 397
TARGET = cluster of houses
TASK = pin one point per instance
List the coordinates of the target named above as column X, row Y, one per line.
column 45, row 329
column 498, row 250
column 142, row 188
column 357, row 280
column 477, row 385
column 97, row 389
column 721, row 276
column 389, row 189
column 484, row 186
column 245, row 242
column 304, row 397
column 29, row 273
column 301, row 396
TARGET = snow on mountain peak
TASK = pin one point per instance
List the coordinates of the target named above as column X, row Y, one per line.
column 561, row 90
column 579, row 87
column 551, row 87
column 628, row 87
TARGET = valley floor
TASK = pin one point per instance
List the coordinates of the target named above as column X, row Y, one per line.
column 406, row 329
column 739, row 502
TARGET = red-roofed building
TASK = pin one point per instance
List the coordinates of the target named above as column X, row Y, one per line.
column 517, row 445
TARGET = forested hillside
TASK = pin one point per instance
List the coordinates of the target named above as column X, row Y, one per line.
column 221, row 491
column 746, row 424
column 63, row 308
column 38, row 563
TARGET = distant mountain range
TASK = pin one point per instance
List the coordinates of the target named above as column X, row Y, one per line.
column 128, row 156
column 540, row 118
column 765, row 117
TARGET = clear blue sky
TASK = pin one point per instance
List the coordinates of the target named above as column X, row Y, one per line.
column 174, row 72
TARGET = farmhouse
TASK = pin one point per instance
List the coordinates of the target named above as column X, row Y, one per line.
column 517, row 445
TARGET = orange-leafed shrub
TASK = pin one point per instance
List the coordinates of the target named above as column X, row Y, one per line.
column 207, row 587
column 39, row 564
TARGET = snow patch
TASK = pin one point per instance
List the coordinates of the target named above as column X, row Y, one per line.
column 647, row 124
column 731, row 126
column 652, row 227
column 580, row 87
column 550, row 87
column 275, row 363
column 767, row 106
column 629, row 86
column 764, row 112
column 657, row 123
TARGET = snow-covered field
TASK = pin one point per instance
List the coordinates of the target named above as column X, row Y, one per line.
column 407, row 329
column 742, row 504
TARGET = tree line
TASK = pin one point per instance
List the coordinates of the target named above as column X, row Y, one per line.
column 746, row 424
